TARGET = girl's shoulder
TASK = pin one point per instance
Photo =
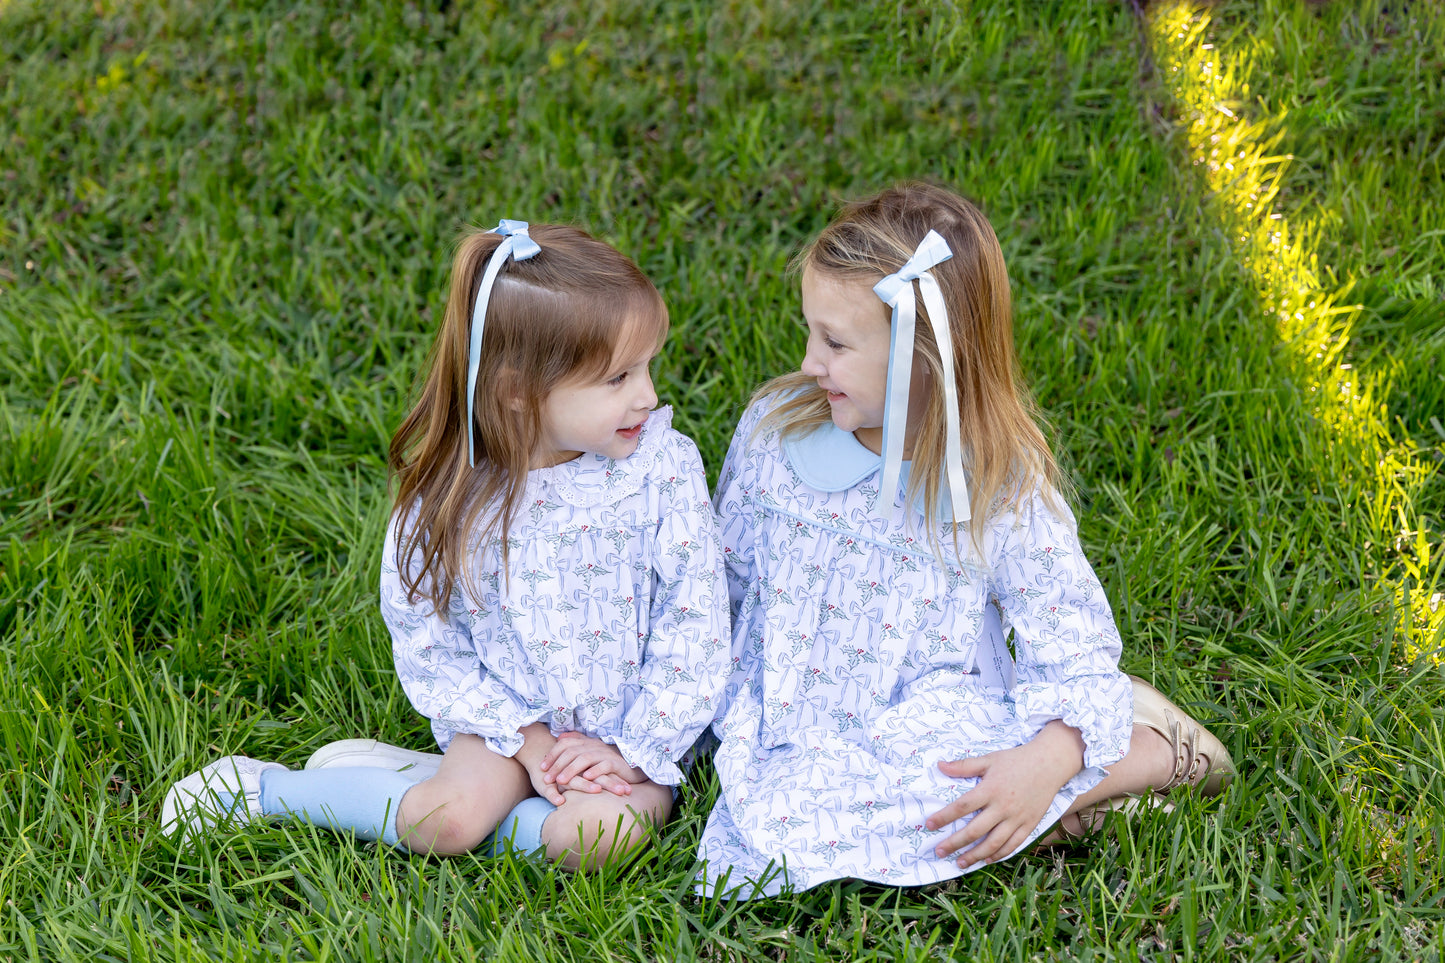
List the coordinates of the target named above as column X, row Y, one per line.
column 592, row 480
column 757, row 423
column 1026, row 510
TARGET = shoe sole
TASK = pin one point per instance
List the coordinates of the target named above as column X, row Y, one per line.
column 351, row 753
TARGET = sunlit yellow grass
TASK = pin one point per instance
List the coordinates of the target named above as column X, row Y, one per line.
column 1312, row 319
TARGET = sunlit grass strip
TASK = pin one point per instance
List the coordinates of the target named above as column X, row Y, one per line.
column 1312, row 321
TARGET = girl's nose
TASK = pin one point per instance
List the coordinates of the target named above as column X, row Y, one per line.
column 811, row 366
column 647, row 398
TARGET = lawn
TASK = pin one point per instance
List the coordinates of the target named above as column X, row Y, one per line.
column 224, row 237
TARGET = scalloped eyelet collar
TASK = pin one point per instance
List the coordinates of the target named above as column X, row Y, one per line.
column 591, row 479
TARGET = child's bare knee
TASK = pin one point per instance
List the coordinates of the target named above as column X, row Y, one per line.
column 589, row 832
column 597, row 846
column 434, row 819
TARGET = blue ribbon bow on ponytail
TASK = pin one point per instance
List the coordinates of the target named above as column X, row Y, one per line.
column 519, row 245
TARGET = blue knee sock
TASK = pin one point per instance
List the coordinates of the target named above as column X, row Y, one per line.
column 361, row 799
column 522, row 827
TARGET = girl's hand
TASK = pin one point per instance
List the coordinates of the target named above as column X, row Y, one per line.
column 1015, row 787
column 576, row 759
column 537, row 743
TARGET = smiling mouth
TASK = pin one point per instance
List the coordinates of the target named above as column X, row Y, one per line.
column 633, row 432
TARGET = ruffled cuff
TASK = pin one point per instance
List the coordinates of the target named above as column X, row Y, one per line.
column 505, row 744
column 1100, row 707
column 656, row 761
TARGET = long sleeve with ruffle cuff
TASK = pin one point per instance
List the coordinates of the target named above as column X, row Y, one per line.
column 686, row 655
column 440, row 670
column 1065, row 639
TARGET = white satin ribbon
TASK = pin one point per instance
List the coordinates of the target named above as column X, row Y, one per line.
column 896, row 290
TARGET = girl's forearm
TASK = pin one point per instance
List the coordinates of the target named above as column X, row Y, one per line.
column 537, row 741
column 1060, row 748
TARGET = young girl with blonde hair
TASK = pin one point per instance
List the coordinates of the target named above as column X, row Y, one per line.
column 551, row 579
column 891, row 514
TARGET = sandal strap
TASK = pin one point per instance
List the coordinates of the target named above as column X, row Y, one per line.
column 1184, row 741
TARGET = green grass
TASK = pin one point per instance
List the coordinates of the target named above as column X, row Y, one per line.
column 224, row 233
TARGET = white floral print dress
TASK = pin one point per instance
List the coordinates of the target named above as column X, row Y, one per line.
column 861, row 663
column 614, row 622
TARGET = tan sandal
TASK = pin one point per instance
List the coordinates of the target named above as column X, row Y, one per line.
column 1191, row 742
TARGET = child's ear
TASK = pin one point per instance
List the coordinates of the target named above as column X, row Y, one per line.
column 509, row 389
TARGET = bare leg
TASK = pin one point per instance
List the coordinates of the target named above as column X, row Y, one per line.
column 453, row 811
column 583, row 832
column 1148, row 763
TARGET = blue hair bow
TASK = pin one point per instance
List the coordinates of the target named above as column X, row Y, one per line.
column 519, row 244
column 896, row 290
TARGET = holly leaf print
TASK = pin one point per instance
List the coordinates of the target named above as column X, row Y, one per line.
column 867, row 809
column 589, row 571
column 831, row 849
column 814, row 676
column 870, row 589
column 782, row 825
column 541, row 507
column 1054, row 614
column 544, row 649
column 1047, row 555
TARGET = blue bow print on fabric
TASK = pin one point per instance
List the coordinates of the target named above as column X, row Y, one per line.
column 896, row 290
column 519, row 245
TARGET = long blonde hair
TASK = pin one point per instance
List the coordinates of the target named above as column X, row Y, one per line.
column 1004, row 448
column 552, row 318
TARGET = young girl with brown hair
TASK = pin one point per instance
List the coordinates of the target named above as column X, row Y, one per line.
column 551, row 578
column 891, row 514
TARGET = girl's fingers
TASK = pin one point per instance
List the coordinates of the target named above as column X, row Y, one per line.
column 978, row 827
column 553, row 754
column 616, row 785
column 565, row 743
column 965, row 768
column 950, row 813
column 565, row 758
column 574, row 770
column 950, row 845
column 970, row 801
column 580, row 785
column 984, row 851
column 1019, row 837
column 579, row 765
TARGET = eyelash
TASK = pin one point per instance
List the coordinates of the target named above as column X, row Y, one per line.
column 831, row 344
column 617, row 381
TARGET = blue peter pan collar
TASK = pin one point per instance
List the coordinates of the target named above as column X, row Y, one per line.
column 829, row 458
column 833, row 460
